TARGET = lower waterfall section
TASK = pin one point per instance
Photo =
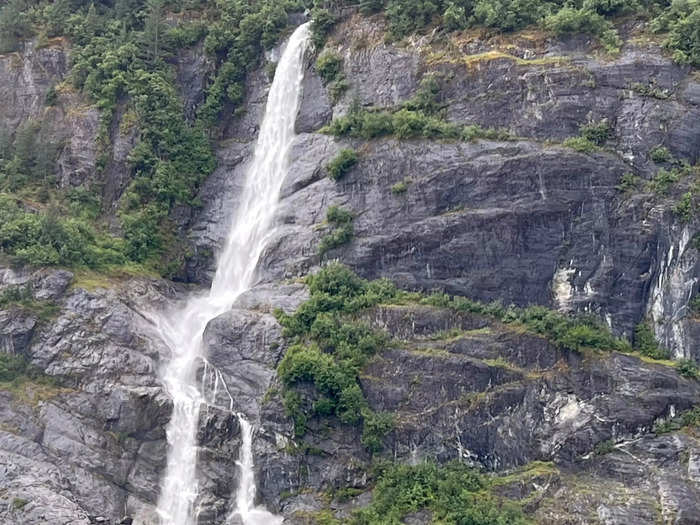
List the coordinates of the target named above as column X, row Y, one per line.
column 183, row 329
column 246, row 511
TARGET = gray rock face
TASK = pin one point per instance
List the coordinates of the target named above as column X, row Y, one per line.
column 523, row 221
column 90, row 441
column 25, row 80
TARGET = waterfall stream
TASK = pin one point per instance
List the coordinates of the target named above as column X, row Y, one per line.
column 182, row 330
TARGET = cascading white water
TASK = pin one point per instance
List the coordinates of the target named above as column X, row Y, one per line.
column 246, row 510
column 182, row 330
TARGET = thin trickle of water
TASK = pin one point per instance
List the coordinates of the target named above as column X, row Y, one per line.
column 182, row 330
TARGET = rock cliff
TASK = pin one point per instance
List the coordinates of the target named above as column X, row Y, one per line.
column 527, row 220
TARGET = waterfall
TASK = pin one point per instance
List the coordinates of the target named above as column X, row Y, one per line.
column 182, row 330
column 246, row 510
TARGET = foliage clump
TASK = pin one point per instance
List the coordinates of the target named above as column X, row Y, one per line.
column 50, row 239
column 660, row 154
column 329, row 351
column 410, row 120
column 646, row 344
column 689, row 418
column 342, row 230
column 688, row 368
column 453, row 493
column 342, row 164
column 329, row 66
column 591, row 137
column 681, row 23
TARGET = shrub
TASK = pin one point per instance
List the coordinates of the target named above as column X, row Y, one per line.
column 604, row 447
column 322, row 23
column 688, row 368
column 426, row 98
column 663, row 180
column 686, row 207
column 330, row 351
column 681, row 22
column 368, row 7
column 11, row 367
column 572, row 20
column 596, row 132
column 376, row 427
column 400, row 187
column 405, row 16
column 689, row 418
column 508, row 15
column 454, row 17
column 645, row 342
column 453, row 493
column 580, row 144
column 14, row 25
column 341, row 234
column 660, row 154
column 48, row 239
column 629, row 182
column 694, row 304
column 342, row 164
column 19, row 503
column 406, row 123
column 329, row 65
column 51, row 97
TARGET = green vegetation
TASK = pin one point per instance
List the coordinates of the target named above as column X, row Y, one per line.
column 688, row 368
column 596, row 132
column 660, row 154
column 604, row 447
column 28, row 160
column 650, row 90
column 330, row 347
column 646, row 344
column 694, row 305
column 330, row 68
column 48, row 238
column 580, row 144
column 322, row 24
column 329, row 351
column 629, row 183
column 14, row 370
column 419, row 117
column 569, row 20
column 342, row 232
column 453, row 493
column 687, row 207
column 664, row 179
column 574, row 333
column 677, row 19
column 406, row 123
column 342, row 164
column 689, row 418
column 122, row 58
column 681, row 22
column 19, row 503
column 400, row 187
column 591, row 137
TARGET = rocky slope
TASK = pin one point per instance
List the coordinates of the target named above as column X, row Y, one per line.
column 525, row 221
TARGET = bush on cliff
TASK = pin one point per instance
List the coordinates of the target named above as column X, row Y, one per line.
column 453, row 493
column 342, row 164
